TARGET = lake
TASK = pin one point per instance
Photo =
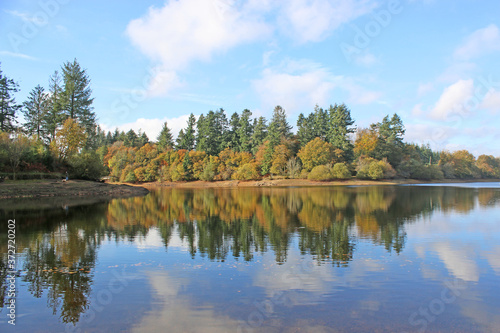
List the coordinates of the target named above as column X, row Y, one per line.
column 313, row 259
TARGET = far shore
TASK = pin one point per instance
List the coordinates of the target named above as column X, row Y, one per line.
column 304, row 183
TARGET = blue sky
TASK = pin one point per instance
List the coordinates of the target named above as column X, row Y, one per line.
column 434, row 62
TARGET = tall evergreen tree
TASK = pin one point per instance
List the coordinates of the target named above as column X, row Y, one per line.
column 165, row 138
column 179, row 142
column 390, row 142
column 188, row 138
column 130, row 139
column 34, row 111
column 221, row 131
column 8, row 106
column 54, row 116
column 76, row 95
column 245, row 131
column 259, row 133
column 279, row 128
column 305, row 130
column 201, row 133
column 142, row 139
column 234, row 137
column 340, row 127
column 320, row 122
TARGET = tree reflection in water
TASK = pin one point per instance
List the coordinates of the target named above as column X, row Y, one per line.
column 60, row 246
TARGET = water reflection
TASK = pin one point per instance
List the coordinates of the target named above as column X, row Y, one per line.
column 325, row 225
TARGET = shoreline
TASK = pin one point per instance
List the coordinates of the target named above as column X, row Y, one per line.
column 304, row 183
column 36, row 189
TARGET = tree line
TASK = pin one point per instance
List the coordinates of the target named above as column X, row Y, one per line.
column 60, row 133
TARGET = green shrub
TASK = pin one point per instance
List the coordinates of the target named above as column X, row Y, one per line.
column 387, row 169
column 86, row 165
column 375, row 171
column 362, row 167
column 130, row 177
column 341, row 171
column 209, row 172
column 321, row 173
column 248, row 171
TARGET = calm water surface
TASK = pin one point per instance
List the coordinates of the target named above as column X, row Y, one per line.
column 336, row 259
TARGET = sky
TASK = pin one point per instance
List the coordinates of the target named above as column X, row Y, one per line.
column 433, row 62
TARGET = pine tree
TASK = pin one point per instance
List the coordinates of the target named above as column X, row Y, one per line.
column 279, row 128
column 259, row 133
column 142, row 139
column 130, row 139
column 319, row 123
column 234, row 137
column 8, row 106
column 340, row 127
column 179, row 142
column 54, row 117
column 165, row 138
column 35, row 110
column 390, row 141
column 245, row 131
column 201, row 133
column 188, row 137
column 76, row 95
column 305, row 130
column 221, row 133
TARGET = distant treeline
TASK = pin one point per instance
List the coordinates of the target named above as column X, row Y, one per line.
column 60, row 133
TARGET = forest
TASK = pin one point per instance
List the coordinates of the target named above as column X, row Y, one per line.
column 59, row 133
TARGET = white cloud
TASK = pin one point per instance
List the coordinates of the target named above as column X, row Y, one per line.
column 493, row 257
column 358, row 94
column 417, row 110
column 299, row 85
column 457, row 260
column 313, row 20
column 491, row 101
column 294, row 91
column 481, row 41
column 366, row 59
column 425, row 88
column 191, row 30
column 453, row 100
column 17, row 55
column 178, row 312
column 152, row 127
column 182, row 32
column 25, row 16
column 437, row 135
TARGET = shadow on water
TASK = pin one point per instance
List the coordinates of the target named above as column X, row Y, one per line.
column 59, row 246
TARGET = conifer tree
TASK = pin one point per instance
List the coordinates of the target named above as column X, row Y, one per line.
column 8, row 106
column 245, row 131
column 76, row 95
column 34, row 111
column 259, row 133
column 279, row 128
column 165, row 138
